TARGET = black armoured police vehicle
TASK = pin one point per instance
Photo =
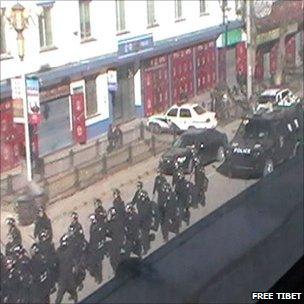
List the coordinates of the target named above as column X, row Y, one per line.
column 210, row 145
column 264, row 140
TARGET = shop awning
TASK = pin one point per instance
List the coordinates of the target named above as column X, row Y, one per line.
column 90, row 66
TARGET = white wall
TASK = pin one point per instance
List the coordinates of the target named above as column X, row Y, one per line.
column 65, row 21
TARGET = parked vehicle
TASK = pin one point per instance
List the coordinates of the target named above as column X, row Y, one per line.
column 276, row 97
column 181, row 118
column 264, row 140
column 209, row 143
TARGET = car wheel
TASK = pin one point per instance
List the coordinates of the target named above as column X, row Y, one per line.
column 155, row 128
column 268, row 167
column 220, row 156
column 295, row 150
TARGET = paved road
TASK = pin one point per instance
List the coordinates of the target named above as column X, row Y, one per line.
column 220, row 190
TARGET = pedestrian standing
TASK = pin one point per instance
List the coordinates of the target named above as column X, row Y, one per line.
column 139, row 186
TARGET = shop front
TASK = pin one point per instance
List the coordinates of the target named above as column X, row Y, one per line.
column 230, row 56
column 55, row 129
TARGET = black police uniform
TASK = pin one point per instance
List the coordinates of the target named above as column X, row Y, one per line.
column 116, row 233
column 41, row 279
column 15, row 233
column 47, row 249
column 145, row 221
column 79, row 248
column 200, row 182
column 159, row 181
column 11, row 282
column 132, row 243
column 41, row 224
column 119, row 206
column 96, row 249
column 182, row 191
column 23, row 265
column 66, row 274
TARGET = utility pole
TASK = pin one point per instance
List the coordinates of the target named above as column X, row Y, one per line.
column 249, row 50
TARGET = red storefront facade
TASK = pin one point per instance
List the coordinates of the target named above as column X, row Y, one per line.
column 12, row 138
column 171, row 78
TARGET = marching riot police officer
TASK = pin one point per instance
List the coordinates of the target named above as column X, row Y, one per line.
column 66, row 271
column 139, row 186
column 145, row 219
column 96, row 247
column 118, row 204
column 79, row 247
column 23, row 265
column 172, row 219
column 183, row 196
column 11, row 281
column 177, row 170
column 43, row 222
column 200, row 180
column 158, row 183
column 41, row 276
column 47, row 249
column 100, row 211
column 13, row 232
column 132, row 243
column 116, row 233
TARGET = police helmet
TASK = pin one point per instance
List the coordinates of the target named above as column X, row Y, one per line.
column 18, row 249
column 130, row 208
column 92, row 218
column 10, row 221
column 43, row 235
column 139, row 184
column 74, row 215
column 180, row 175
column 41, row 209
column 34, row 249
column 143, row 195
column 116, row 192
column 112, row 212
column 9, row 262
column 97, row 202
column 64, row 240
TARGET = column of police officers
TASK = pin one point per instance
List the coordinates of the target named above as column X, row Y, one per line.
column 122, row 231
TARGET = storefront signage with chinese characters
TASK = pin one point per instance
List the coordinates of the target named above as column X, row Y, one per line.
column 134, row 45
column 268, row 36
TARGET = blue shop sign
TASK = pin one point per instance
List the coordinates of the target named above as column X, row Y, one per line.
column 135, row 44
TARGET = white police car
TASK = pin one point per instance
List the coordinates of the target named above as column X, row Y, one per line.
column 276, row 97
column 181, row 118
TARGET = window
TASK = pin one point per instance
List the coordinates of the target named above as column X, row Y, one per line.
column 120, row 16
column 84, row 16
column 178, row 9
column 185, row 113
column 202, row 6
column 150, row 13
column 45, row 27
column 91, row 97
column 3, row 41
column 172, row 112
column 199, row 110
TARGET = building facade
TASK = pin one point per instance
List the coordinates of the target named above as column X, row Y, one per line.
column 102, row 62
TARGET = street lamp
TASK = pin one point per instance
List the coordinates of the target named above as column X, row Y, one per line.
column 18, row 18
